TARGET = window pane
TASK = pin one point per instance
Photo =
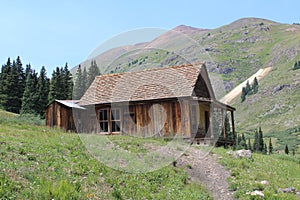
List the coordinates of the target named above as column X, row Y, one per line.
column 105, row 114
column 104, row 126
column 115, row 126
column 115, row 114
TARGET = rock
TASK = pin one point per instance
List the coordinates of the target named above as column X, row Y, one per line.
column 298, row 194
column 242, row 154
column 264, row 182
column 257, row 193
column 287, row 190
column 280, row 87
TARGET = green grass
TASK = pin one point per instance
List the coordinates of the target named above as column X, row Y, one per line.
column 280, row 170
column 41, row 163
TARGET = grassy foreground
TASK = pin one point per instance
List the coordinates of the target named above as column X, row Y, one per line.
column 41, row 163
column 280, row 170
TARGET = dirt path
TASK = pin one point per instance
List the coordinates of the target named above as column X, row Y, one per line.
column 238, row 89
column 205, row 170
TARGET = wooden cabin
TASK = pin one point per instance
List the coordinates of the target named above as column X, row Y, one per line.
column 170, row 102
column 60, row 113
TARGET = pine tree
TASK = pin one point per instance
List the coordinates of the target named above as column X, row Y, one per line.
column 243, row 95
column 249, row 145
column 265, row 149
column 261, row 140
column 255, row 86
column 67, row 82
column 293, row 152
column 243, row 141
column 43, row 91
column 78, row 87
column 30, row 96
column 84, row 80
column 229, row 135
column 256, row 142
column 286, row 150
column 248, row 88
column 55, row 84
column 92, row 73
column 270, row 147
column 4, row 91
column 15, row 87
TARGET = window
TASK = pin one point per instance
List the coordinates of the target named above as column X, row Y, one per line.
column 115, row 120
column 103, row 119
column 109, row 120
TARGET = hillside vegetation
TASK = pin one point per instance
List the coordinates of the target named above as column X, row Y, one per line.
column 41, row 163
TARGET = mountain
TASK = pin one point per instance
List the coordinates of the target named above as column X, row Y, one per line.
column 233, row 53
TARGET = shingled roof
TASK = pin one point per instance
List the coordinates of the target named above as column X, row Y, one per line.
column 160, row 83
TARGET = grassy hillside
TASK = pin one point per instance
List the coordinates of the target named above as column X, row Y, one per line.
column 279, row 170
column 41, row 163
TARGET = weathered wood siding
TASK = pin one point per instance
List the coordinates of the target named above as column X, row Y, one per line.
column 160, row 119
column 58, row 115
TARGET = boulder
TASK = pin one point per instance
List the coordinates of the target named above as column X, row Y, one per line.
column 264, row 182
column 242, row 154
column 257, row 193
column 287, row 190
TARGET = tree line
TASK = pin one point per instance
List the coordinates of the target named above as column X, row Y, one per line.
column 259, row 144
column 25, row 91
column 249, row 89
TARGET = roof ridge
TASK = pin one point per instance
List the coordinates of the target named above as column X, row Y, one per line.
column 152, row 69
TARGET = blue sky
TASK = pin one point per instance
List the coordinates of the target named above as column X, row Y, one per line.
column 51, row 33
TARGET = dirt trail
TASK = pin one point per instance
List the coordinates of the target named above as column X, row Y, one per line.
column 261, row 73
column 205, row 170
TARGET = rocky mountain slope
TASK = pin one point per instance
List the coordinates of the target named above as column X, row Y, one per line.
column 232, row 53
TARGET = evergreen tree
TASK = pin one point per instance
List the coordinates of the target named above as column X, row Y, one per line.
column 248, row 88
column 255, row 86
column 4, row 91
column 239, row 139
column 286, row 150
column 55, row 85
column 256, row 142
column 78, row 86
column 243, row 95
column 270, row 146
column 43, row 91
column 84, row 80
column 67, row 82
column 265, row 149
column 293, row 152
column 249, row 144
column 229, row 135
column 243, row 141
column 30, row 96
column 261, row 140
column 15, row 87
column 92, row 73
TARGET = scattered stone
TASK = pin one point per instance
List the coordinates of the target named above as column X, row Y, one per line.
column 264, row 182
column 280, row 87
column 241, row 154
column 257, row 193
column 287, row 190
column 298, row 194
